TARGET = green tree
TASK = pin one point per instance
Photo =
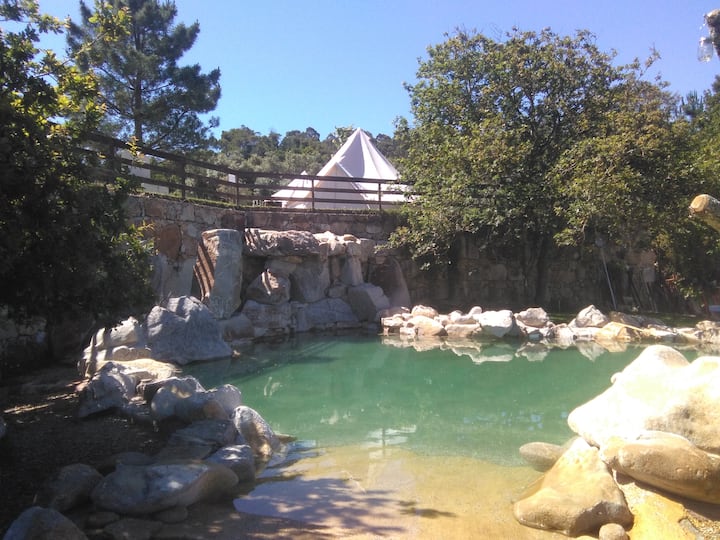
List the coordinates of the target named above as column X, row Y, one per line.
column 65, row 248
column 148, row 96
column 508, row 138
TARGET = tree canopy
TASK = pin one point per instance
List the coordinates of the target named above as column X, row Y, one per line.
column 148, row 96
column 538, row 140
column 65, row 247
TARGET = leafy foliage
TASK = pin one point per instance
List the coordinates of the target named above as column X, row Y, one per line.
column 64, row 246
column 539, row 140
column 147, row 95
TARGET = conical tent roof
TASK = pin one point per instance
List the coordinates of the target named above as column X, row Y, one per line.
column 357, row 158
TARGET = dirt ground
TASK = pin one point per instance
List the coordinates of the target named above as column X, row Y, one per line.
column 44, row 434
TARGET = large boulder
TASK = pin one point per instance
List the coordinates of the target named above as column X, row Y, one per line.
column 38, row 523
column 264, row 243
column 211, row 432
column 310, row 280
column 272, row 317
column 590, row 317
column 142, row 490
column 329, row 313
column 388, row 275
column 128, row 333
column 219, row 270
column 256, row 431
column 269, row 288
column 352, row 272
column 659, row 391
column 110, row 388
column 238, row 458
column 578, row 495
column 68, row 487
column 367, row 301
column 668, row 462
column 236, row 328
column 535, row 316
column 497, row 323
column 167, row 398
column 185, row 331
column 420, row 325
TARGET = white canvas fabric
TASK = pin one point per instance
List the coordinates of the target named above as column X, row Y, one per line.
column 357, row 158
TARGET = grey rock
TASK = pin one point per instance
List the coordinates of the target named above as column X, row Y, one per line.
column 110, row 388
column 214, row 433
column 367, row 301
column 185, row 332
column 219, row 270
column 256, row 432
column 265, row 243
column 275, row 317
column 390, row 278
column 424, row 311
column 142, row 490
column 68, row 488
column 497, row 323
column 590, row 317
column 166, row 400
column 228, row 396
column 38, row 523
column 269, row 288
column 310, row 281
column 352, row 273
column 237, row 327
column 535, row 316
column 423, row 326
column 239, row 458
column 329, row 312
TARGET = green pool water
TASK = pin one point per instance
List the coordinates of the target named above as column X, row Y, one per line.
column 408, row 442
column 474, row 400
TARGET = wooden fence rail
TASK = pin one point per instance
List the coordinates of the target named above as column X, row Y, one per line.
column 180, row 176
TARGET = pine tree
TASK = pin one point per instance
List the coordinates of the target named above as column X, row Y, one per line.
column 147, row 95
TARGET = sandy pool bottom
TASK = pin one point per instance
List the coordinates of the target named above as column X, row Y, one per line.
column 393, row 493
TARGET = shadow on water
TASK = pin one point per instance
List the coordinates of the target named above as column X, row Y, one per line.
column 329, row 502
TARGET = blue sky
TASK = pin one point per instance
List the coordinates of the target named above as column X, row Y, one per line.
column 327, row 63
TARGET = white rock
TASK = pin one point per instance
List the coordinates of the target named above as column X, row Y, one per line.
column 659, row 391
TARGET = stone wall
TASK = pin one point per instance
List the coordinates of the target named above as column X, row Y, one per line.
column 478, row 277
column 176, row 228
column 575, row 278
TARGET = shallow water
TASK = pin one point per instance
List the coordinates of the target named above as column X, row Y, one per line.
column 406, row 443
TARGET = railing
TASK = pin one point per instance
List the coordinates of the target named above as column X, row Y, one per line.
column 171, row 174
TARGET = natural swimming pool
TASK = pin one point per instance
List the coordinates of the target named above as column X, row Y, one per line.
column 410, row 441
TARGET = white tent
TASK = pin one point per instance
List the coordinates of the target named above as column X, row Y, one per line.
column 357, row 158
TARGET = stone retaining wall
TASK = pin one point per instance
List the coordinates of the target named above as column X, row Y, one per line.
column 477, row 277
column 176, row 227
